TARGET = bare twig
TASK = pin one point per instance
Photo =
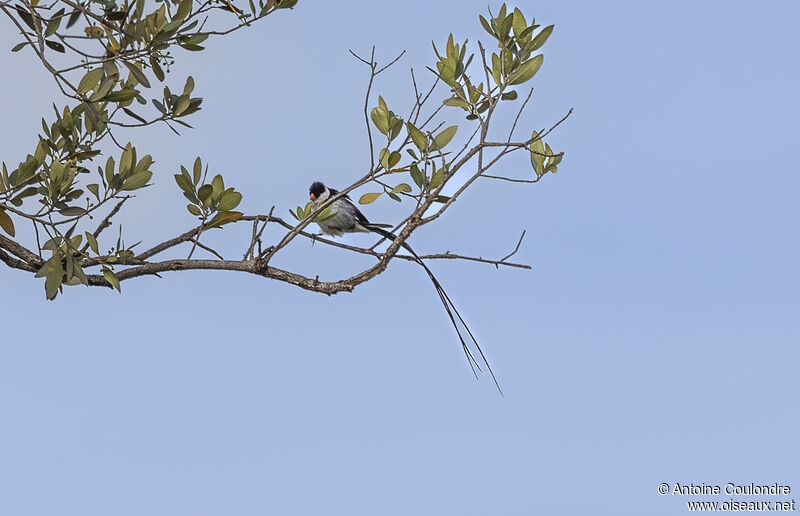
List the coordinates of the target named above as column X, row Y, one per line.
column 257, row 236
column 529, row 181
column 106, row 221
column 371, row 63
column 516, row 118
column 393, row 61
column 515, row 249
column 202, row 246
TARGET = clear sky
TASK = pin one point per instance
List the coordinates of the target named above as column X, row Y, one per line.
column 655, row 340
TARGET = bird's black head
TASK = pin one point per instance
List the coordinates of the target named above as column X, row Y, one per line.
column 316, row 190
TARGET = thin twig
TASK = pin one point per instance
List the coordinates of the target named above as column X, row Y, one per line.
column 106, row 222
column 516, row 118
column 257, row 236
column 511, row 180
column 393, row 61
column 516, row 248
column 202, row 246
column 372, row 66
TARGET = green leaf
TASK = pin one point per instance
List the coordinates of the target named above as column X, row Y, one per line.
column 111, row 278
column 58, row 47
column 509, row 95
column 229, row 200
column 416, row 175
column 122, row 95
column 525, row 35
column 144, row 164
column 444, row 137
column 183, row 9
column 457, row 102
column 417, row 136
column 218, row 185
column 53, row 277
column 553, row 161
column 394, row 158
column 184, row 183
column 383, row 157
column 126, row 160
column 73, row 18
column 540, row 38
column 78, row 276
column 442, row 198
column 402, row 187
column 137, row 180
column 110, row 68
column 134, row 115
column 194, row 210
column 436, row 179
column 369, row 197
column 19, row 46
column 6, row 223
column 139, row 75
column 191, row 47
column 475, row 93
column 95, row 189
column 182, row 105
column 52, row 244
column 323, row 215
column 188, row 88
column 224, row 217
column 497, row 69
column 537, row 149
column 72, row 211
column 90, row 238
column 519, row 22
column 53, row 24
column 204, row 193
column 197, row 170
column 104, row 88
column 25, row 16
column 381, row 120
column 116, row 16
column 505, row 26
column 169, row 29
column 157, row 70
column 395, row 126
column 486, row 26
column 527, row 70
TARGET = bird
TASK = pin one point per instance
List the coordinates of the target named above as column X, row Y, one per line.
column 345, row 217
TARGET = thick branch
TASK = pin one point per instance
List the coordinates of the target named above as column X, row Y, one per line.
column 20, row 252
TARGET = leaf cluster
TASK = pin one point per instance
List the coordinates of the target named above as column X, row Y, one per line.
column 210, row 201
column 513, row 64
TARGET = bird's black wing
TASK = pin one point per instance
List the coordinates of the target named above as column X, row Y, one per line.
column 362, row 218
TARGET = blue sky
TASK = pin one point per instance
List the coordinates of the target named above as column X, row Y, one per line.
column 655, row 339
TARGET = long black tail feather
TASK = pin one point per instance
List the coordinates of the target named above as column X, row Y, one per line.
column 449, row 307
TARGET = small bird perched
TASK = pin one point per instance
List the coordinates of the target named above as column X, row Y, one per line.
column 345, row 217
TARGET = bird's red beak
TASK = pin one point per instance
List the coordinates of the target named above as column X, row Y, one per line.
column 312, row 196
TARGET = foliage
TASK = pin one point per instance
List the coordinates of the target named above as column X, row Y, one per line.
column 108, row 57
column 513, row 64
